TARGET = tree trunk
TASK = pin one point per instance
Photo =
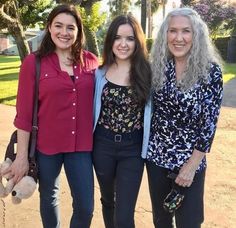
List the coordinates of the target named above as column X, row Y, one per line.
column 149, row 16
column 143, row 14
column 91, row 41
column 10, row 19
column 18, row 34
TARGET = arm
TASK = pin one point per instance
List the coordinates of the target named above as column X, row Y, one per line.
column 23, row 119
column 212, row 97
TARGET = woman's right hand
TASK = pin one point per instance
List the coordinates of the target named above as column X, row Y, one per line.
column 20, row 165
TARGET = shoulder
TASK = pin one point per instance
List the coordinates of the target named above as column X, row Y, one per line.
column 90, row 59
column 29, row 59
column 215, row 72
column 100, row 72
column 28, row 64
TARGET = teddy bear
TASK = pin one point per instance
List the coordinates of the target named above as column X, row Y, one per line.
column 22, row 190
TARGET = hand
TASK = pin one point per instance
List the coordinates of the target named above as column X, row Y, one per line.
column 188, row 170
column 18, row 169
column 185, row 176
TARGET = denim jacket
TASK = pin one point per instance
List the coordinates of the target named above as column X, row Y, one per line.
column 100, row 81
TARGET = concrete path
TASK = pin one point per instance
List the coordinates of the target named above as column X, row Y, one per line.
column 229, row 99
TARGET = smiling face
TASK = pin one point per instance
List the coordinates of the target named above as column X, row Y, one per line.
column 63, row 31
column 179, row 37
column 124, row 43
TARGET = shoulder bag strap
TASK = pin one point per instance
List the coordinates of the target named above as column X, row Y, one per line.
column 35, row 111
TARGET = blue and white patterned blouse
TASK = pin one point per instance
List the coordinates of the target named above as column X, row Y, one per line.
column 184, row 120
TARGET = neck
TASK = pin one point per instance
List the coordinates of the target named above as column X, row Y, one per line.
column 122, row 64
column 180, row 66
column 64, row 57
column 119, row 73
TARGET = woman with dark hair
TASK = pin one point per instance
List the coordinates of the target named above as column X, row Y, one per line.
column 187, row 95
column 65, row 117
column 121, row 116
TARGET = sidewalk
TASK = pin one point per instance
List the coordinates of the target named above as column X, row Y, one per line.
column 220, row 193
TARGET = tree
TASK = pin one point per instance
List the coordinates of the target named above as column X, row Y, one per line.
column 16, row 16
column 187, row 2
column 143, row 14
column 91, row 25
column 148, row 8
column 163, row 3
column 215, row 13
column 118, row 7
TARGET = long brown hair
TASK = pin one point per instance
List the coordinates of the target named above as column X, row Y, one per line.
column 140, row 72
column 47, row 45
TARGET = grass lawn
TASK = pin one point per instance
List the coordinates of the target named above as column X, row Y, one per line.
column 9, row 69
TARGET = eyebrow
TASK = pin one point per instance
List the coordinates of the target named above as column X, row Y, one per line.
column 188, row 27
column 60, row 23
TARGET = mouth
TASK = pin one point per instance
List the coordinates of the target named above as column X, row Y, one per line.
column 178, row 45
column 64, row 40
column 123, row 51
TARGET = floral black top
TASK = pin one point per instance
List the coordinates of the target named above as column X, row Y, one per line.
column 184, row 120
column 120, row 112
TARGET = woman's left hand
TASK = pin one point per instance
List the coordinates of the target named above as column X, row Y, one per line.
column 188, row 170
column 186, row 175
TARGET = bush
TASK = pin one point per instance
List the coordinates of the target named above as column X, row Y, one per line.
column 221, row 44
column 149, row 42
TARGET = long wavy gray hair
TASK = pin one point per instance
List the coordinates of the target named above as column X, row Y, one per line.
column 202, row 52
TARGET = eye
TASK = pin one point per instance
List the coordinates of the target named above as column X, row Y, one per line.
column 130, row 38
column 172, row 31
column 117, row 37
column 187, row 31
column 71, row 28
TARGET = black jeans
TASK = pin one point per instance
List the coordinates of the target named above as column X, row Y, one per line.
column 119, row 169
column 190, row 213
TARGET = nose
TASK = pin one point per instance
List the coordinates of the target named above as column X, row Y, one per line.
column 123, row 42
column 64, row 30
column 179, row 36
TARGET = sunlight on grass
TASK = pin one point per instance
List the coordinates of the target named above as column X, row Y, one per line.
column 228, row 77
column 229, row 71
column 9, row 69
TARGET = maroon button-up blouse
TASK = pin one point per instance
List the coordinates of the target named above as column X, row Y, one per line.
column 65, row 115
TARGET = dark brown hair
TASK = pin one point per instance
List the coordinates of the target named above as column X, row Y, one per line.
column 47, row 46
column 140, row 72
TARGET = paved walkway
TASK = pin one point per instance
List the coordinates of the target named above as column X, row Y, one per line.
column 229, row 99
column 26, row 215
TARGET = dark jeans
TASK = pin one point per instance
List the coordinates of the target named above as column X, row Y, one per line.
column 191, row 212
column 119, row 170
column 79, row 173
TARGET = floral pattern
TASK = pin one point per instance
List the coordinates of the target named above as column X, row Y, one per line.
column 184, row 120
column 120, row 112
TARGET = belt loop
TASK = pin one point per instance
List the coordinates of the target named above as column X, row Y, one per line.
column 117, row 138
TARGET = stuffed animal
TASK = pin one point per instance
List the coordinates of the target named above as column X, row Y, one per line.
column 5, row 190
column 22, row 190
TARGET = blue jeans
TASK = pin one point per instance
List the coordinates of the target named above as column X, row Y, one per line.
column 119, row 169
column 79, row 173
column 190, row 213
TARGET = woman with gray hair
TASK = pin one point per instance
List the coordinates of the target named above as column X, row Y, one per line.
column 187, row 95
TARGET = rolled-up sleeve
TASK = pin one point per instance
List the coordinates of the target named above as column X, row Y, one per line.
column 212, row 98
column 25, row 94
